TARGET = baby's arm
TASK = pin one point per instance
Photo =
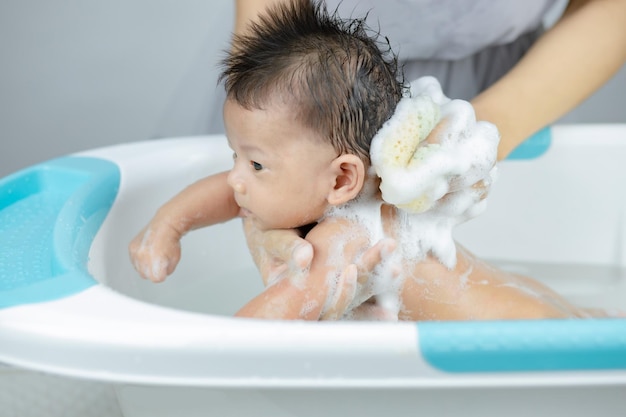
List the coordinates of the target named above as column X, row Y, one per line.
column 328, row 287
column 155, row 251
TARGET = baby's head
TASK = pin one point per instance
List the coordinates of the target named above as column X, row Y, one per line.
column 306, row 93
column 330, row 72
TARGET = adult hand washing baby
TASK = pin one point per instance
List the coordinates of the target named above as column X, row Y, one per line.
column 428, row 181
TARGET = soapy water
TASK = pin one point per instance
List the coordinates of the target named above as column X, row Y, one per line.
column 435, row 163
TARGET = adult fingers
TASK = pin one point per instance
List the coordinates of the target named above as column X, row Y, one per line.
column 373, row 257
column 340, row 299
column 275, row 252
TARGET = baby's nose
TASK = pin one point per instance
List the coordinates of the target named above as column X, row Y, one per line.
column 235, row 182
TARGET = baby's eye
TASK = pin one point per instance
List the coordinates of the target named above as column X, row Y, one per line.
column 256, row 165
column 234, row 155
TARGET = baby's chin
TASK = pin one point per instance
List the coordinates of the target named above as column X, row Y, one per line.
column 263, row 225
column 276, row 222
column 259, row 223
column 274, row 225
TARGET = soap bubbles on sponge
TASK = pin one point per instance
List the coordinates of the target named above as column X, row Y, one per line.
column 430, row 147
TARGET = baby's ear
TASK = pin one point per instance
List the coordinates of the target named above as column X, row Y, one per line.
column 349, row 175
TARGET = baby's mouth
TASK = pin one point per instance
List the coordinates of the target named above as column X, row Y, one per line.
column 243, row 212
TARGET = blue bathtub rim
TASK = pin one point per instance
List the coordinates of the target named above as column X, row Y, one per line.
column 534, row 146
column 86, row 188
column 524, row 345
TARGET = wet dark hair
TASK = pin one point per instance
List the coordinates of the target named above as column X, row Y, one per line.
column 331, row 71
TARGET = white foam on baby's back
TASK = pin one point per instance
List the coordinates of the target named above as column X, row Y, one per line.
column 429, row 157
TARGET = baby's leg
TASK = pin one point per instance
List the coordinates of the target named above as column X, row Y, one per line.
column 542, row 293
column 474, row 289
column 604, row 313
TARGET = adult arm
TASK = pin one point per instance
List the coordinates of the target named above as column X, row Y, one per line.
column 247, row 11
column 582, row 51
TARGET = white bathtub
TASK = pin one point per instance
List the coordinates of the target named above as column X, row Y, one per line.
column 173, row 350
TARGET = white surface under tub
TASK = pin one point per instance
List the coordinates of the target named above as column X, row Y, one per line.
column 560, row 218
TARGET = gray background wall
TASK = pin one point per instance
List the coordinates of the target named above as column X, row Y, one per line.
column 80, row 74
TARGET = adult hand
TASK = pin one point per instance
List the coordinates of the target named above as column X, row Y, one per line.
column 359, row 273
column 433, row 155
column 283, row 257
column 277, row 253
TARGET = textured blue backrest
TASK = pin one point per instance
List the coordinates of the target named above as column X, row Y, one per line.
column 49, row 215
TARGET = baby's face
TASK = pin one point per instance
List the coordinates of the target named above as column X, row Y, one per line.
column 282, row 171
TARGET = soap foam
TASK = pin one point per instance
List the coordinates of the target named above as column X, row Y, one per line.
column 429, row 156
column 417, row 173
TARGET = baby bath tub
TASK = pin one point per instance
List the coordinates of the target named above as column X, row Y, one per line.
column 71, row 304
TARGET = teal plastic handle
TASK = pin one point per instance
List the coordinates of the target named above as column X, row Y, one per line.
column 49, row 215
column 525, row 345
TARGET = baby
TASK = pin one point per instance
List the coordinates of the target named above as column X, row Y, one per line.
column 309, row 98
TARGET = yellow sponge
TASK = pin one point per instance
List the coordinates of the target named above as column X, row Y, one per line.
column 401, row 136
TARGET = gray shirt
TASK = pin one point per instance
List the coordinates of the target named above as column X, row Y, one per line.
column 446, row 29
column 466, row 44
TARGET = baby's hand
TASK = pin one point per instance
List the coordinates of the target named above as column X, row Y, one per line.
column 155, row 251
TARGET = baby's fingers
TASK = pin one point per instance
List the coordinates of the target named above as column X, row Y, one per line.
column 154, row 258
column 155, row 270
